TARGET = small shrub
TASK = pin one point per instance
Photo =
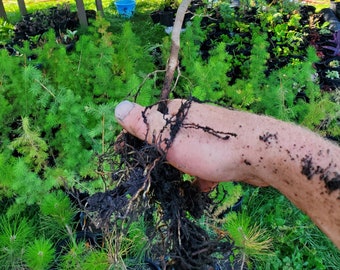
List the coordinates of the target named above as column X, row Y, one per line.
column 39, row 254
column 254, row 243
column 6, row 32
column 15, row 234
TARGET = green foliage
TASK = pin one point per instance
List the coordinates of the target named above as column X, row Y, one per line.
column 31, row 146
column 79, row 255
column 57, row 218
column 57, row 206
column 243, row 92
column 77, row 92
column 297, row 242
column 74, row 256
column 285, row 34
column 57, row 124
column 26, row 186
column 135, row 242
column 7, row 175
column 225, row 195
column 253, row 242
column 39, row 254
column 97, row 259
column 15, row 234
column 6, row 31
column 57, row 120
column 131, row 62
column 277, row 96
column 104, row 129
column 205, row 80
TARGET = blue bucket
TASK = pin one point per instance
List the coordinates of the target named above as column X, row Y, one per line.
column 125, row 8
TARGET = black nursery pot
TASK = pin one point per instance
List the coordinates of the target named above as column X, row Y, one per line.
column 335, row 6
column 155, row 16
column 329, row 15
column 327, row 83
column 327, row 63
column 332, row 83
column 166, row 18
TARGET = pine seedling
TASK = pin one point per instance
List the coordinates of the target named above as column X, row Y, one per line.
column 96, row 259
column 74, row 256
column 27, row 185
column 278, row 95
column 31, row 146
column 15, row 234
column 58, row 214
column 207, row 78
column 245, row 91
column 253, row 242
column 130, row 56
column 39, row 254
column 104, row 130
column 131, row 63
column 135, row 242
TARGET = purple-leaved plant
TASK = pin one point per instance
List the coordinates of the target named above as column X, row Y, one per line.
column 336, row 41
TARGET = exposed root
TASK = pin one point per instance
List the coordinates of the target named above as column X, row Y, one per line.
column 150, row 186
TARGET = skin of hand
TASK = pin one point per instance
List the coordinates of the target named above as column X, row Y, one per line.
column 260, row 150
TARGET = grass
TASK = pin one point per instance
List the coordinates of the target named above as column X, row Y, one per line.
column 31, row 5
column 12, row 9
column 301, row 243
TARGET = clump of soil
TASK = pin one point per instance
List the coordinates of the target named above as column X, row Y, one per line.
column 146, row 186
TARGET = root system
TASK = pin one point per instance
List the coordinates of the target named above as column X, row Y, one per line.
column 147, row 185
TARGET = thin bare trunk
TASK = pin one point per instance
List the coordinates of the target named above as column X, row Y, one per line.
column 81, row 13
column 173, row 59
column 22, row 7
column 99, row 6
column 2, row 10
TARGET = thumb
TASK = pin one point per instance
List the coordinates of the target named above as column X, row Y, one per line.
column 130, row 116
column 142, row 122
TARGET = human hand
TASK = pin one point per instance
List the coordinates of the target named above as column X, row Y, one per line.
column 216, row 144
column 206, row 145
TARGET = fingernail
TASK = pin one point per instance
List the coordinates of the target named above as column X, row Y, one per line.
column 123, row 109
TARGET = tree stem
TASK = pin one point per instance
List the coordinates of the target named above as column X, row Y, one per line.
column 173, row 59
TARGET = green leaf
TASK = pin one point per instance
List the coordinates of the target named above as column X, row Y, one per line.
column 31, row 146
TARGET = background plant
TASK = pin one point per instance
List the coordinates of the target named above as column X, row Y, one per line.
column 6, row 32
column 15, row 235
column 61, row 148
column 254, row 243
column 302, row 246
column 39, row 254
column 57, row 129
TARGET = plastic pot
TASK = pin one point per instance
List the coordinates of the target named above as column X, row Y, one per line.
column 166, row 18
column 125, row 8
column 328, row 15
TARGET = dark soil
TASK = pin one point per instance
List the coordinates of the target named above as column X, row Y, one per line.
column 146, row 185
column 331, row 178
